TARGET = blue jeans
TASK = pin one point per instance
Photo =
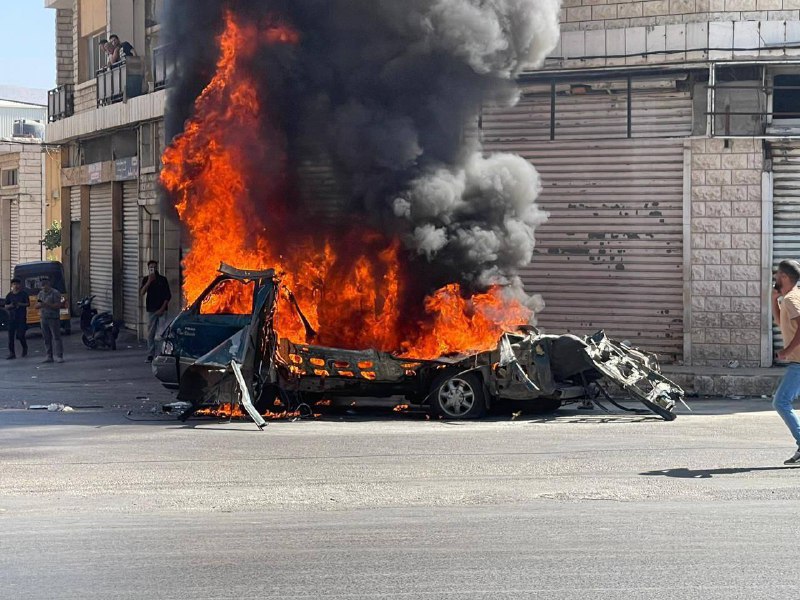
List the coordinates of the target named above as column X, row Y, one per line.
column 787, row 393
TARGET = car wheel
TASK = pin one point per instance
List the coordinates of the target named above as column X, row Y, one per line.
column 458, row 396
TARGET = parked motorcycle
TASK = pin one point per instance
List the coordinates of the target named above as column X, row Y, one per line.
column 100, row 330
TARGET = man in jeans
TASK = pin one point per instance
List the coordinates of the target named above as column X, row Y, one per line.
column 17, row 303
column 49, row 304
column 155, row 289
column 787, row 315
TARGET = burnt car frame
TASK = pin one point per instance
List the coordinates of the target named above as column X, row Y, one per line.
column 216, row 359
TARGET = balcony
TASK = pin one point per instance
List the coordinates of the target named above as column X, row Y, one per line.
column 60, row 102
column 163, row 65
column 121, row 81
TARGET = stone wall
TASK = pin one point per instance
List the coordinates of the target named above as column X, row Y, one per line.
column 27, row 196
column 86, row 96
column 610, row 14
column 65, row 60
column 726, row 286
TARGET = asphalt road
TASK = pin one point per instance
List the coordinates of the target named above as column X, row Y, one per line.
column 100, row 503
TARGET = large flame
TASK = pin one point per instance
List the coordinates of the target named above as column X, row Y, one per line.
column 354, row 299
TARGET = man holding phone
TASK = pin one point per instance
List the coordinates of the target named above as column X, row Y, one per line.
column 155, row 289
column 786, row 312
column 17, row 303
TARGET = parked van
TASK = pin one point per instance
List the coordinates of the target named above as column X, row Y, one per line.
column 31, row 274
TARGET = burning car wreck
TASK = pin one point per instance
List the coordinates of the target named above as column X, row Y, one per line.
column 215, row 358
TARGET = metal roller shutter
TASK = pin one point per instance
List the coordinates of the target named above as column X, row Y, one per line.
column 75, row 203
column 14, row 231
column 785, row 210
column 320, row 191
column 611, row 255
column 130, row 254
column 598, row 115
column 101, row 246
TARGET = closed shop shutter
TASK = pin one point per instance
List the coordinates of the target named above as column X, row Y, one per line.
column 101, row 246
column 611, row 255
column 14, row 231
column 785, row 210
column 600, row 114
column 321, row 193
column 75, row 203
column 130, row 253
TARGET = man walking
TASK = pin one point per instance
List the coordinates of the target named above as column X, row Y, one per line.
column 155, row 289
column 17, row 303
column 49, row 304
column 787, row 316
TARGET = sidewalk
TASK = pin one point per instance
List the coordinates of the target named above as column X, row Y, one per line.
column 98, row 378
column 724, row 381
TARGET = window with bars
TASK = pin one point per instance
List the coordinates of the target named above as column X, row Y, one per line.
column 9, row 178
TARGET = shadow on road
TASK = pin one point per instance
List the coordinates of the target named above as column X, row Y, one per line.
column 684, row 473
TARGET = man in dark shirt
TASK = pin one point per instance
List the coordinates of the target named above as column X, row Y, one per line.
column 17, row 303
column 119, row 50
column 155, row 289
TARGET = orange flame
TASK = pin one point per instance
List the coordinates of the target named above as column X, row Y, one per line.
column 352, row 302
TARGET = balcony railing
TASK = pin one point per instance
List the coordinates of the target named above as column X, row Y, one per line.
column 163, row 65
column 60, row 102
column 120, row 81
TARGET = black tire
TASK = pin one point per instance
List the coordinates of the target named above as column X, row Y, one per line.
column 458, row 396
column 89, row 343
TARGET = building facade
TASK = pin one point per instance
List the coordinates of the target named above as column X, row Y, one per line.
column 109, row 124
column 29, row 202
column 667, row 135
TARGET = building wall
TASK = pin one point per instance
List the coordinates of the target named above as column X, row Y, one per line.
column 65, row 64
column 52, row 190
column 608, row 14
column 27, row 198
column 727, row 290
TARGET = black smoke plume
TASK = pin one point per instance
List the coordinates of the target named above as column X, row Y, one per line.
column 385, row 95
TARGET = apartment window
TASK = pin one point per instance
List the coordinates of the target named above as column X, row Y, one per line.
column 95, row 55
column 786, row 97
column 93, row 19
column 8, row 178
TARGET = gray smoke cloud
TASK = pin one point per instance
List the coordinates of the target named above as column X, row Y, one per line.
column 388, row 92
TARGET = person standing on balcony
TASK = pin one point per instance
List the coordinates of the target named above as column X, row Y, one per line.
column 49, row 304
column 17, row 303
column 155, row 289
column 119, row 50
column 786, row 313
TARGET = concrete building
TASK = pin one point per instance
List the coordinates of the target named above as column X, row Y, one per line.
column 109, row 123
column 29, row 200
column 667, row 134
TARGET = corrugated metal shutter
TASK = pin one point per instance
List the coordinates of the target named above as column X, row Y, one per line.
column 320, row 191
column 595, row 115
column 130, row 253
column 611, row 255
column 101, row 246
column 14, row 231
column 785, row 210
column 75, row 203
